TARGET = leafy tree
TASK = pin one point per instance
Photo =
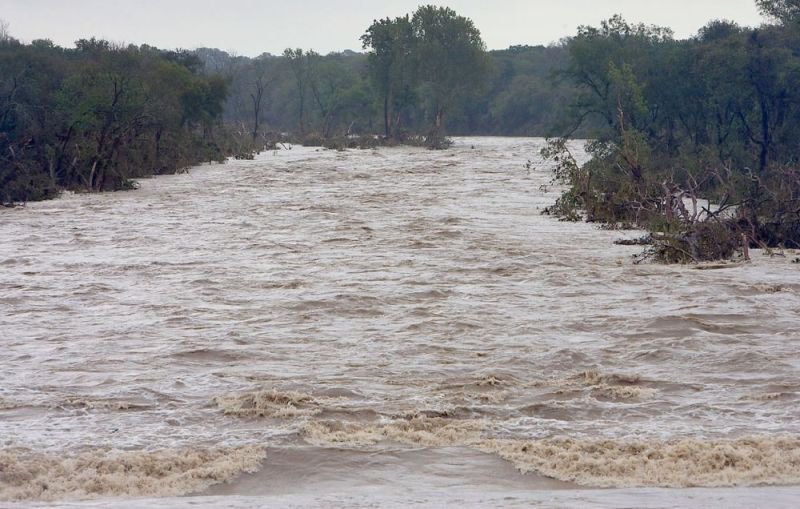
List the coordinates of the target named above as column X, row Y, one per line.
column 714, row 117
column 94, row 117
column 450, row 56
column 785, row 11
column 391, row 66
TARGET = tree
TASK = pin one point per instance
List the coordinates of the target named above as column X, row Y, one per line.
column 785, row 11
column 450, row 56
column 712, row 117
column 391, row 65
column 298, row 62
column 5, row 35
column 99, row 115
column 329, row 83
column 260, row 86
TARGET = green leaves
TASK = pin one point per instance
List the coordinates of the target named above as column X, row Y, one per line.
column 784, row 11
column 435, row 55
column 94, row 117
column 714, row 117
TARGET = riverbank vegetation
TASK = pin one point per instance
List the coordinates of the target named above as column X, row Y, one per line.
column 97, row 116
column 696, row 140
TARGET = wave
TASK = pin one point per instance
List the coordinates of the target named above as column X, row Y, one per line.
column 8, row 405
column 429, row 432
column 604, row 386
column 674, row 464
column 269, row 403
column 618, row 463
column 26, row 475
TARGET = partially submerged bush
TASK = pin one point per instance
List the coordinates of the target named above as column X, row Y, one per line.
column 700, row 242
column 614, row 190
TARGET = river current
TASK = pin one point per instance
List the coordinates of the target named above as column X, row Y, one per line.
column 317, row 328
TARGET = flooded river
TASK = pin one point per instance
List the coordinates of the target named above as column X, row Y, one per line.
column 370, row 328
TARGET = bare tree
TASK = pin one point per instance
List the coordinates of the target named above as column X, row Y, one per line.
column 5, row 35
column 298, row 62
column 261, row 84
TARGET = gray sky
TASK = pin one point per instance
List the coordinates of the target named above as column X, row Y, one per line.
column 251, row 27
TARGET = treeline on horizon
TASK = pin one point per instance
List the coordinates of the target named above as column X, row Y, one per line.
column 712, row 117
column 419, row 75
column 513, row 92
column 96, row 116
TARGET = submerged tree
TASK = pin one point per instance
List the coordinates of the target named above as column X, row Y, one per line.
column 714, row 118
column 436, row 56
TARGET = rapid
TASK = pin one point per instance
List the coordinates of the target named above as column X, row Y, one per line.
column 357, row 328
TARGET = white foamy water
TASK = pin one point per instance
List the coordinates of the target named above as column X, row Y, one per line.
column 321, row 328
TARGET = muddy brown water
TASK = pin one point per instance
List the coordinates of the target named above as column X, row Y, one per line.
column 379, row 322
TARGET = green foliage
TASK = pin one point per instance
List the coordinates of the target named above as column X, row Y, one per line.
column 435, row 57
column 94, row 117
column 785, row 11
column 712, row 118
column 391, row 67
column 520, row 93
column 450, row 58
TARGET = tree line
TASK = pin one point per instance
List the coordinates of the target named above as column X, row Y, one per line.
column 519, row 94
column 419, row 74
column 97, row 116
column 696, row 140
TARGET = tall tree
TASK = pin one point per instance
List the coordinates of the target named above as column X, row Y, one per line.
column 391, row 65
column 298, row 62
column 451, row 58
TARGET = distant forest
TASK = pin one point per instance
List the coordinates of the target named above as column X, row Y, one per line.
column 672, row 122
column 523, row 94
column 96, row 116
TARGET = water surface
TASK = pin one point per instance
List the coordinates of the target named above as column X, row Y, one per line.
column 389, row 323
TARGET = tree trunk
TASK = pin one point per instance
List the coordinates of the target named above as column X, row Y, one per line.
column 766, row 138
column 386, row 122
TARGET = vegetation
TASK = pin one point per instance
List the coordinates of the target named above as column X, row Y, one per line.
column 381, row 93
column 94, row 117
column 695, row 140
column 421, row 71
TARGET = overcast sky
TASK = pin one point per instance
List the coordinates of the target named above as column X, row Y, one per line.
column 251, row 27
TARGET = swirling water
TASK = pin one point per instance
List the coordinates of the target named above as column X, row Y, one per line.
column 381, row 325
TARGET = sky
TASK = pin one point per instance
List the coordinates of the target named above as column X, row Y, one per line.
column 252, row 27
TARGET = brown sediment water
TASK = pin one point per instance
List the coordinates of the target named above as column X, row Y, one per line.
column 27, row 475
column 391, row 321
